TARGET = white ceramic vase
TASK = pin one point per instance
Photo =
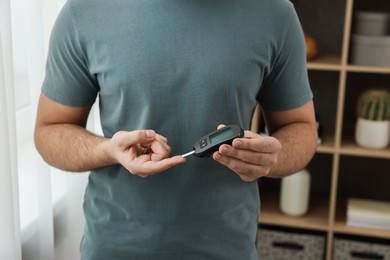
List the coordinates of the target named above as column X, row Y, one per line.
column 372, row 134
column 295, row 193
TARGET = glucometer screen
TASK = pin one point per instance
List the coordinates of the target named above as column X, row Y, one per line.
column 220, row 136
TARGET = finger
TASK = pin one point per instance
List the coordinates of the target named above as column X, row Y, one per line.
column 247, row 171
column 254, row 157
column 250, row 134
column 221, row 126
column 161, row 138
column 144, row 167
column 159, row 150
column 126, row 139
column 264, row 144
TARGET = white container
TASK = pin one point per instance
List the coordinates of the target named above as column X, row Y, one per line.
column 295, row 192
column 372, row 23
column 372, row 134
column 370, row 50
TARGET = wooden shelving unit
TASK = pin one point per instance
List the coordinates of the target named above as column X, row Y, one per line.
column 340, row 169
column 316, row 219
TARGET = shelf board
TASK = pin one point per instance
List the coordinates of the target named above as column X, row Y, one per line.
column 349, row 147
column 329, row 62
column 332, row 62
column 368, row 69
column 325, row 149
column 315, row 219
column 340, row 225
column 327, row 145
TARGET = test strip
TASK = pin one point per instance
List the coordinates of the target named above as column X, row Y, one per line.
column 188, row 154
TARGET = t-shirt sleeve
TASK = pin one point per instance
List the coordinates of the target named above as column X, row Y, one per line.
column 287, row 85
column 68, row 79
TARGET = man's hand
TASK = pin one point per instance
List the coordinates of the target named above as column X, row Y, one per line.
column 250, row 157
column 143, row 152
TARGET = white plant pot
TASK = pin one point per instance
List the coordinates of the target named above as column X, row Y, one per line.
column 372, row 134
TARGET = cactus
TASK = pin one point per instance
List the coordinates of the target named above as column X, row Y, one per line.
column 374, row 105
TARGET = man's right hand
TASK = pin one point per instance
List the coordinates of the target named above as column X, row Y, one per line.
column 142, row 152
column 63, row 141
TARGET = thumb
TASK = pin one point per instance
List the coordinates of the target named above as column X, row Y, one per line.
column 221, row 126
column 143, row 136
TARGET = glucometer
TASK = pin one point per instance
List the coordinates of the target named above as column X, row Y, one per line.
column 211, row 142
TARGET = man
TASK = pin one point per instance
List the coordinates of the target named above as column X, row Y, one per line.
column 168, row 72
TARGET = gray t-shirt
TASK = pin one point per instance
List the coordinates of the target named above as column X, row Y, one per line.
column 180, row 67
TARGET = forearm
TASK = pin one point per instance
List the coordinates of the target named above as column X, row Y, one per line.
column 299, row 142
column 72, row 148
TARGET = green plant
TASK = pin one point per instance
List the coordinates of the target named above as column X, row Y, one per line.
column 374, row 105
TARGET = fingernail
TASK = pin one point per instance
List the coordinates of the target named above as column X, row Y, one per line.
column 225, row 149
column 237, row 143
column 149, row 133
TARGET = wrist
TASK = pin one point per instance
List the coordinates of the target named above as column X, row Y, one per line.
column 108, row 155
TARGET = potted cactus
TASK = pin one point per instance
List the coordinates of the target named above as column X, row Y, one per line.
column 373, row 123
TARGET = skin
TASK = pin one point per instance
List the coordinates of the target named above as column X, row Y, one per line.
column 290, row 146
column 62, row 140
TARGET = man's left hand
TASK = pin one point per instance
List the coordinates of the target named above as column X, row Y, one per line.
column 250, row 157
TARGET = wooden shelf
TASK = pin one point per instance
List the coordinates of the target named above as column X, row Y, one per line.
column 335, row 92
column 368, row 69
column 340, row 226
column 315, row 219
column 328, row 145
column 331, row 62
column 349, row 147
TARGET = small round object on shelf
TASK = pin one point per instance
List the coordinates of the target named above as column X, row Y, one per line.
column 311, row 47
